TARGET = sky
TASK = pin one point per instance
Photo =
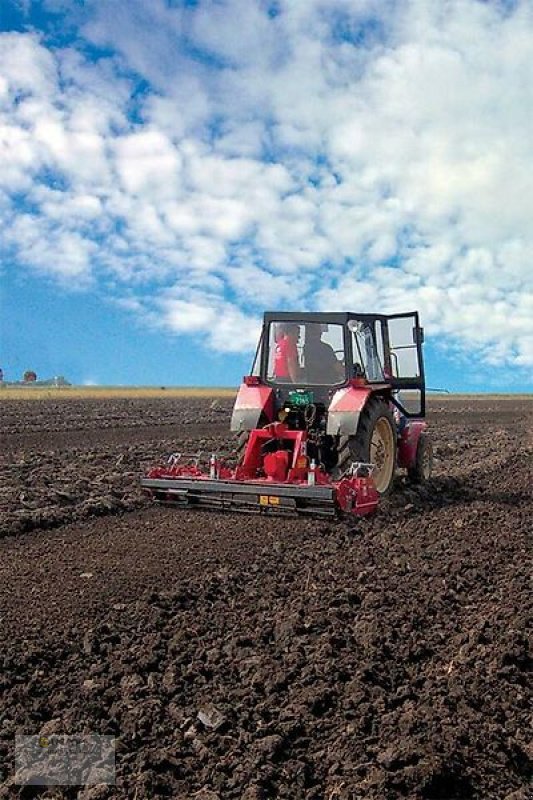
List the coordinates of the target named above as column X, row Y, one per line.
column 171, row 169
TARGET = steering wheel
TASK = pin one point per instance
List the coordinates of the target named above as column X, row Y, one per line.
column 341, row 360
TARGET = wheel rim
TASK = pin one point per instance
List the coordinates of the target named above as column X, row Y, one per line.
column 382, row 454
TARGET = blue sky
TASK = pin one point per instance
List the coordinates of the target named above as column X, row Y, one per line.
column 169, row 170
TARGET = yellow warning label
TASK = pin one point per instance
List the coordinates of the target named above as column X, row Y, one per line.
column 268, row 500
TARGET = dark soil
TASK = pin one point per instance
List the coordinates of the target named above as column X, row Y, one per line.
column 249, row 657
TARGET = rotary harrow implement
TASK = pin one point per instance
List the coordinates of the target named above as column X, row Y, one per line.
column 333, row 407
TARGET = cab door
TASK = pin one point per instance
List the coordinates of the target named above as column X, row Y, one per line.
column 403, row 338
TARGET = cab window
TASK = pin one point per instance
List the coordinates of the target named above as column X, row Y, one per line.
column 306, row 353
column 366, row 356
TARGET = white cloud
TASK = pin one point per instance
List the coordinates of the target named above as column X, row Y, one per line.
column 148, row 164
column 55, row 251
column 345, row 153
column 27, row 68
column 225, row 327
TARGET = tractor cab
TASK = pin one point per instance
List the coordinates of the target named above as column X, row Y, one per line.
column 326, row 351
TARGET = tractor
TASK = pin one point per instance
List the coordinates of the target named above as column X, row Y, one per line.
column 333, row 407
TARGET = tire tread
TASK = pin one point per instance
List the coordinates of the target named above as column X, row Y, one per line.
column 355, row 447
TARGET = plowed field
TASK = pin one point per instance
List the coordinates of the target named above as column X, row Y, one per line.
column 249, row 657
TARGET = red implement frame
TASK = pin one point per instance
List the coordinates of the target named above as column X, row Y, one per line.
column 275, row 475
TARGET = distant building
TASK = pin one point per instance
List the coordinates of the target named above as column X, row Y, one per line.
column 30, row 381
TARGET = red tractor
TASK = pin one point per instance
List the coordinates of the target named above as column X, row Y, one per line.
column 333, row 406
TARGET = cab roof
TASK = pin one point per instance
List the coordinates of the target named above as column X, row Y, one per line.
column 338, row 317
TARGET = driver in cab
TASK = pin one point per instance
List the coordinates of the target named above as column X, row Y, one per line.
column 286, row 364
column 321, row 364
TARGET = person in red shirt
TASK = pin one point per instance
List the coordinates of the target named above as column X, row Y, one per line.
column 286, row 365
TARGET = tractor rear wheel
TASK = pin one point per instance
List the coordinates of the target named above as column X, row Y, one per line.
column 374, row 443
column 241, row 439
column 423, row 466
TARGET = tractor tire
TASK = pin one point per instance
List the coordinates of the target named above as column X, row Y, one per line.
column 241, row 439
column 423, row 467
column 374, row 443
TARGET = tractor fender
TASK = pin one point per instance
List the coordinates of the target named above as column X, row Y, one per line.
column 344, row 410
column 252, row 402
column 408, row 443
